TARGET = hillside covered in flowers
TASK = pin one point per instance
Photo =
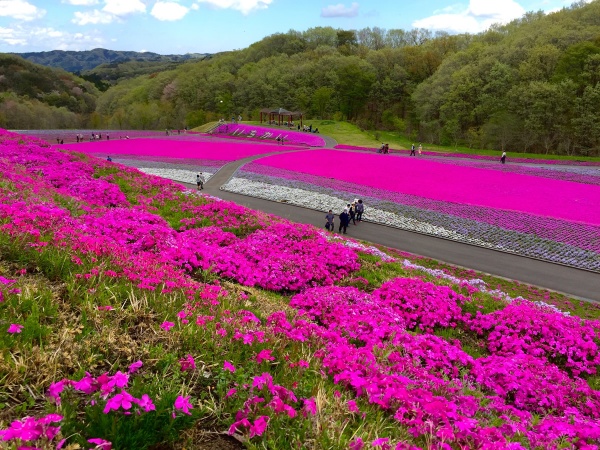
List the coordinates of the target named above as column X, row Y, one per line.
column 137, row 314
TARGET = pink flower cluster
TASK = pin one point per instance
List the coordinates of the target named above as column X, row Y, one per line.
column 31, row 429
column 143, row 247
column 523, row 327
column 110, row 388
column 423, row 379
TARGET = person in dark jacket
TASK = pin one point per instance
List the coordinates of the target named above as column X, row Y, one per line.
column 344, row 221
column 351, row 213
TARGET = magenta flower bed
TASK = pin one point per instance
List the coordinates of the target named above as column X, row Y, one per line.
column 480, row 157
column 450, row 183
column 177, row 149
column 289, row 136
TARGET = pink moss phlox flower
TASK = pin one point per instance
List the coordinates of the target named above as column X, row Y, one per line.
column 100, row 444
column 134, row 367
column 31, row 429
column 105, row 308
column 259, row 426
column 264, row 355
column 87, row 384
column 279, row 406
column 167, row 325
column 6, row 280
column 123, row 400
column 243, row 422
column 119, row 380
column 381, row 442
column 183, row 404
column 260, row 381
column 231, row 392
column 15, row 328
column 228, row 366
column 352, row 407
column 145, row 403
column 356, row 444
column 310, row 407
column 56, row 389
column 187, row 363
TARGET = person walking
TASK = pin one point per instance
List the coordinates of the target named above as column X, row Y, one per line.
column 360, row 208
column 420, row 149
column 329, row 217
column 503, row 157
column 199, row 181
column 344, row 221
column 412, row 150
column 352, row 214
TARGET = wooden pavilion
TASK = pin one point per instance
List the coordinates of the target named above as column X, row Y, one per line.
column 279, row 116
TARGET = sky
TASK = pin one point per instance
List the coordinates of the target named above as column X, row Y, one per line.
column 211, row 26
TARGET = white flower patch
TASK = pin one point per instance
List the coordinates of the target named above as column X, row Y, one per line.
column 324, row 202
column 181, row 175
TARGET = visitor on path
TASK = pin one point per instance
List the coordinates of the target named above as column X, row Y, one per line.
column 329, row 221
column 109, row 159
column 344, row 221
column 351, row 213
column 420, row 149
column 360, row 208
column 200, row 181
column 412, row 150
column 503, row 157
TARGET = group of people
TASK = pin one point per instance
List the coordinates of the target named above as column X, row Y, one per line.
column 412, row 150
column 352, row 212
column 385, row 149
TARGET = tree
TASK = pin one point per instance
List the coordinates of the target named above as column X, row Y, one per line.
column 321, row 98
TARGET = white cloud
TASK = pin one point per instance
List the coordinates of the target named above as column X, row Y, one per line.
column 20, row 9
column 244, row 6
column 46, row 38
column 94, row 17
column 340, row 10
column 123, row 7
column 80, row 2
column 169, row 11
column 478, row 16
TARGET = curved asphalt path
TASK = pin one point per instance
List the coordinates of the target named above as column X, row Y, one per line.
column 568, row 280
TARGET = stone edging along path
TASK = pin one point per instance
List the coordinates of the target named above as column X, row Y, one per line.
column 575, row 282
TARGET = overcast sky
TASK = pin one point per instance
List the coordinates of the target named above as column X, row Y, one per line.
column 209, row 26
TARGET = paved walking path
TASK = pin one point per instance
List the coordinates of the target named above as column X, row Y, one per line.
column 575, row 282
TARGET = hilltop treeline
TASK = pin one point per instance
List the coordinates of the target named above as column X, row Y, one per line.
column 530, row 85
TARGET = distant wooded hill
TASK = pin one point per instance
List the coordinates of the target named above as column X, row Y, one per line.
column 73, row 61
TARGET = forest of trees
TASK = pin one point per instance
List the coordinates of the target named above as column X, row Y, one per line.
column 531, row 85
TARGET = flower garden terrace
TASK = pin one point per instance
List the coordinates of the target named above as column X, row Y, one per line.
column 553, row 217
column 137, row 313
